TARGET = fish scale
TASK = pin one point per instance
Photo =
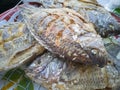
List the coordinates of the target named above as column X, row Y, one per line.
column 10, row 32
column 67, row 35
column 17, row 45
column 105, row 24
column 58, row 74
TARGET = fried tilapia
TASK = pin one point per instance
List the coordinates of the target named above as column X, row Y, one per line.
column 17, row 45
column 66, row 33
column 105, row 24
column 58, row 74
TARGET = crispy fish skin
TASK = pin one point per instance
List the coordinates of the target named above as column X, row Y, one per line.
column 105, row 24
column 17, row 45
column 58, row 74
column 65, row 33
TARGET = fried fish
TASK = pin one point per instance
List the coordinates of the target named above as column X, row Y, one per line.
column 67, row 34
column 58, row 74
column 17, row 45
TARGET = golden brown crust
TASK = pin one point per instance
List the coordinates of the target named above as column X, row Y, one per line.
column 64, row 32
column 105, row 24
column 16, row 45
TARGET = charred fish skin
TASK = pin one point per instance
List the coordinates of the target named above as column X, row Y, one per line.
column 17, row 45
column 58, row 74
column 105, row 24
column 65, row 33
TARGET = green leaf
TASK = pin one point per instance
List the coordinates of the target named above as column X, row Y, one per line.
column 117, row 11
column 13, row 74
column 25, row 84
column 17, row 76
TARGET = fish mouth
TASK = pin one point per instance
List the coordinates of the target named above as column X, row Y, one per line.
column 98, row 60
